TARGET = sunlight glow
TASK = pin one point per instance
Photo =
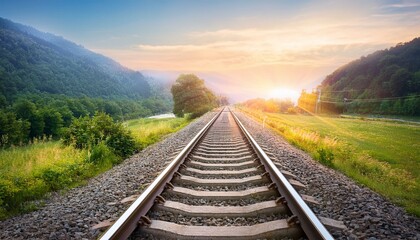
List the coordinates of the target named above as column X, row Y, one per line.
column 284, row 93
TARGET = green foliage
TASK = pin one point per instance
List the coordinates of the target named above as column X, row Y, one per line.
column 192, row 96
column 27, row 173
column 101, row 154
column 13, row 131
column 53, row 122
column 7, row 191
column 46, row 81
column 55, row 178
column 36, row 62
column 121, row 143
column 326, row 156
column 385, row 82
column 33, row 116
column 87, row 132
column 26, row 110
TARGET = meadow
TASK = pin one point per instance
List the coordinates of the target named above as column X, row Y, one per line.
column 382, row 155
column 30, row 172
column 147, row 131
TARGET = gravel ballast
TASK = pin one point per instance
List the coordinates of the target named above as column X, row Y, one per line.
column 366, row 214
column 71, row 215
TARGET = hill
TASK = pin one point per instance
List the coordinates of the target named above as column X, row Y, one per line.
column 47, row 81
column 35, row 62
column 384, row 82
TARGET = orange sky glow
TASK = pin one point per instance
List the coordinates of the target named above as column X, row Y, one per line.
column 292, row 53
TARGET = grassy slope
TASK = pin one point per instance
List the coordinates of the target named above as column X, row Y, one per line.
column 147, row 131
column 395, row 143
column 381, row 155
column 29, row 172
column 28, row 159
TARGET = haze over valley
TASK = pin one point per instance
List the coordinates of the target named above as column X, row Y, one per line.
column 256, row 50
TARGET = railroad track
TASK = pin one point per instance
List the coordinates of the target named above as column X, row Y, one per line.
column 221, row 185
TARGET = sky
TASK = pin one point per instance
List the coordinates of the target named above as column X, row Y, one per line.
column 242, row 48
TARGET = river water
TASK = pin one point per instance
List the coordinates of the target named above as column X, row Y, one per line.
column 166, row 115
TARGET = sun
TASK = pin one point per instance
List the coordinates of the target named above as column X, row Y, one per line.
column 284, row 93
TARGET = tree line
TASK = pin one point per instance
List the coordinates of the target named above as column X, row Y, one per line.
column 270, row 105
column 34, row 116
column 409, row 106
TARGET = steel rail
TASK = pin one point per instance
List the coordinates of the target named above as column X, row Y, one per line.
column 128, row 222
column 310, row 224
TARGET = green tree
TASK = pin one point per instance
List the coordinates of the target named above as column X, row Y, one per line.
column 397, row 107
column 53, row 122
column 26, row 110
column 3, row 101
column 399, row 82
column 192, row 96
column 12, row 130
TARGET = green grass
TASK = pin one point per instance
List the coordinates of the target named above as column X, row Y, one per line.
column 147, row 131
column 413, row 119
column 28, row 173
column 25, row 160
column 384, row 156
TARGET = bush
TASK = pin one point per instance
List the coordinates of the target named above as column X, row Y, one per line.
column 87, row 132
column 101, row 154
column 7, row 192
column 55, row 178
column 121, row 143
column 326, row 157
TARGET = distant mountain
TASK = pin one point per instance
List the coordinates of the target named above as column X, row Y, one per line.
column 36, row 62
column 385, row 82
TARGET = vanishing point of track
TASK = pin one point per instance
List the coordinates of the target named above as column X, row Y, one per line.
column 221, row 185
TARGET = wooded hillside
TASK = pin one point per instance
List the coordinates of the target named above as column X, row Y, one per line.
column 47, row 81
column 384, row 82
column 36, row 62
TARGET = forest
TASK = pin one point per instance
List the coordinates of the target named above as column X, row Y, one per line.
column 34, row 116
column 386, row 82
column 47, row 81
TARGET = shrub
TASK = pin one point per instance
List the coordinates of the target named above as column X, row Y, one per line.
column 326, row 157
column 101, row 154
column 121, row 143
column 7, row 192
column 87, row 132
column 55, row 178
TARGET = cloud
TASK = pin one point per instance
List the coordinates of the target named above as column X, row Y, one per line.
column 304, row 44
column 292, row 53
column 403, row 4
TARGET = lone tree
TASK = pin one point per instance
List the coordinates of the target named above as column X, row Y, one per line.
column 192, row 96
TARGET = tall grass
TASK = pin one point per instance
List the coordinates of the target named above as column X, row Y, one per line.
column 382, row 156
column 28, row 173
column 148, row 131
